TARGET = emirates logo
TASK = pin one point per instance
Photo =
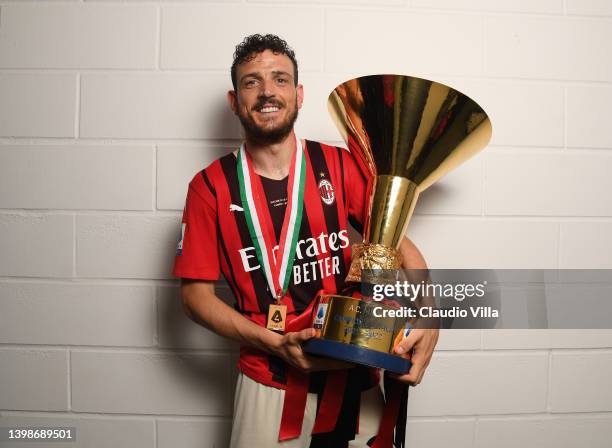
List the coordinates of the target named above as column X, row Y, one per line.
column 326, row 190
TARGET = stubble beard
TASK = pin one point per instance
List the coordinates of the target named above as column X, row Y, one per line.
column 265, row 136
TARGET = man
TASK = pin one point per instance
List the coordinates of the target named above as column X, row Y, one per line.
column 273, row 218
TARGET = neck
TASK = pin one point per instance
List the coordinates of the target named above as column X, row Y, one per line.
column 272, row 160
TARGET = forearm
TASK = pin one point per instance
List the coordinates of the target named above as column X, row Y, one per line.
column 208, row 310
column 205, row 308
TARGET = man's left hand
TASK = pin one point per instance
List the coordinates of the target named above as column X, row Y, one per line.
column 422, row 343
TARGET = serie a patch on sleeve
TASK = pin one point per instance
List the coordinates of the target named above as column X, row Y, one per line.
column 179, row 246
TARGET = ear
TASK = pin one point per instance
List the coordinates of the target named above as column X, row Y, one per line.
column 232, row 101
column 300, row 95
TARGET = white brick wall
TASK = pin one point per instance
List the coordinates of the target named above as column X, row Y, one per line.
column 78, row 314
column 46, row 35
column 587, row 108
column 77, row 177
column 546, row 47
column 32, row 379
column 156, row 105
column 526, row 6
column 120, row 432
column 108, row 108
column 494, row 392
column 37, row 104
column 36, row 245
column 589, row 7
column 126, row 246
column 576, row 383
column 563, row 432
column 150, row 383
column 402, row 42
column 546, row 183
column 203, row 36
column 523, row 113
column 177, row 162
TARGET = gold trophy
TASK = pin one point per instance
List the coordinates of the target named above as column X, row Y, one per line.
column 405, row 133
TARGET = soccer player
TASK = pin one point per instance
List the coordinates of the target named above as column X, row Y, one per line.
column 273, row 217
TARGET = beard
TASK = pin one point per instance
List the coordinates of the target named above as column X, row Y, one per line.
column 265, row 135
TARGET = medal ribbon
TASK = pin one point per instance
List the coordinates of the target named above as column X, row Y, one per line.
column 278, row 274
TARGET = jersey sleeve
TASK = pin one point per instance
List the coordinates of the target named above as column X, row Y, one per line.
column 356, row 187
column 197, row 253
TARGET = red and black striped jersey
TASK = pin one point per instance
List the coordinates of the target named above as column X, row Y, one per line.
column 215, row 238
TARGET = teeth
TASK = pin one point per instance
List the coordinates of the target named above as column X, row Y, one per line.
column 269, row 109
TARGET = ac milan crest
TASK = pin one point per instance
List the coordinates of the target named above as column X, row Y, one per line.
column 327, row 191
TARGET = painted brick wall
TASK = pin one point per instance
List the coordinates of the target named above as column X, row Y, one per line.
column 108, row 108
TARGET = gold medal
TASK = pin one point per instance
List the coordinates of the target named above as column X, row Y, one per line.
column 277, row 314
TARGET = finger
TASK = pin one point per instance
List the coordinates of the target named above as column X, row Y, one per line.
column 298, row 359
column 407, row 378
column 419, row 355
column 415, row 373
column 420, row 360
column 420, row 378
column 420, row 373
column 407, row 343
column 422, row 351
column 301, row 336
column 310, row 363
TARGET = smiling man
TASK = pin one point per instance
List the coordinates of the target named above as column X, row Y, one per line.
column 273, row 218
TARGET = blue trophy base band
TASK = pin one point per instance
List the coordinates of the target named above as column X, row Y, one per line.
column 356, row 354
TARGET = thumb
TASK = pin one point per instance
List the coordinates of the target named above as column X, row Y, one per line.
column 407, row 343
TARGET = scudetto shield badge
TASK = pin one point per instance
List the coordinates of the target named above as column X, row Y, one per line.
column 327, row 191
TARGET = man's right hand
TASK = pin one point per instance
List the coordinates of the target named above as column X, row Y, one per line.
column 203, row 306
column 289, row 348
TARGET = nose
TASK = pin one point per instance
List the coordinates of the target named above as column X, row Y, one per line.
column 267, row 88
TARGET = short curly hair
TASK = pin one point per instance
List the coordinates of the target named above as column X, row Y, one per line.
column 256, row 43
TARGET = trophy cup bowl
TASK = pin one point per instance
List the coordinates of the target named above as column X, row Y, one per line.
column 405, row 134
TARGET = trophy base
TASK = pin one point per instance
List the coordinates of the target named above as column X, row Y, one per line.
column 357, row 355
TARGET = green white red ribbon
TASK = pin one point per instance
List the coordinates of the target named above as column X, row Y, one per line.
column 277, row 272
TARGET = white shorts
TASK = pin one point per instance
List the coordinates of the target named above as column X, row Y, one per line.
column 258, row 409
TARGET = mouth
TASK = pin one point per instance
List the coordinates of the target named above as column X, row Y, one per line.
column 268, row 108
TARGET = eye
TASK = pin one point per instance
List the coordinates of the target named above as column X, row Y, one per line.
column 282, row 80
column 250, row 83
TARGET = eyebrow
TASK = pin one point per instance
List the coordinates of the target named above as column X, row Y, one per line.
column 258, row 76
column 281, row 72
